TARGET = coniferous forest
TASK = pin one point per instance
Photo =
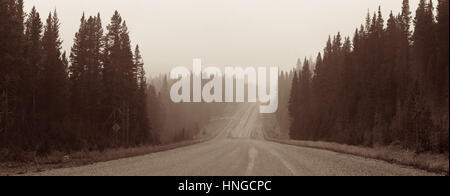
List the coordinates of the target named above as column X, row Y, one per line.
column 94, row 97
column 51, row 100
column 386, row 85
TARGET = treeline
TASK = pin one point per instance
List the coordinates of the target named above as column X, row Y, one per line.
column 388, row 85
column 282, row 115
column 180, row 121
column 53, row 101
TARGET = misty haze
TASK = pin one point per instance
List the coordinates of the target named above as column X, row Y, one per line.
column 224, row 88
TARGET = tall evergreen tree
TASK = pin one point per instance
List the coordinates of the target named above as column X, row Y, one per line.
column 143, row 121
column 86, row 78
column 442, row 81
column 304, row 99
column 121, row 79
column 53, row 97
column 293, row 107
column 423, row 40
column 32, row 76
column 139, row 64
column 12, row 67
column 405, row 19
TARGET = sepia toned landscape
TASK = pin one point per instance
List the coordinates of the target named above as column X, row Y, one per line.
column 88, row 88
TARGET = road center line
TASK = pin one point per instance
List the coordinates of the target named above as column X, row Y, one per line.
column 252, row 153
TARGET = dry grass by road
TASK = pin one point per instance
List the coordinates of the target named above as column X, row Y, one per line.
column 438, row 163
column 61, row 160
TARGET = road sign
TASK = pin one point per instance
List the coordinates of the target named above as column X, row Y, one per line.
column 116, row 127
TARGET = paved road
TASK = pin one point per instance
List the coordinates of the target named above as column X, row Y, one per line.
column 240, row 149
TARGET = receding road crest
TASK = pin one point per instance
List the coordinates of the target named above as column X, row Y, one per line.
column 213, row 91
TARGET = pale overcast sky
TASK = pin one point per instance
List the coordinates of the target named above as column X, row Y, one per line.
column 222, row 32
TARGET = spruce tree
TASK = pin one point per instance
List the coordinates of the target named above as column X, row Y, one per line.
column 12, row 67
column 143, row 121
column 32, row 72
column 53, row 97
column 442, row 76
column 293, row 100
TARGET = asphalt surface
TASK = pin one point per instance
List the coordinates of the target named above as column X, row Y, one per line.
column 240, row 150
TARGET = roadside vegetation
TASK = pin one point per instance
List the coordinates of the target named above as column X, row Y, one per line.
column 382, row 93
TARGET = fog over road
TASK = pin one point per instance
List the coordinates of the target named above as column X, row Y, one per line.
column 240, row 149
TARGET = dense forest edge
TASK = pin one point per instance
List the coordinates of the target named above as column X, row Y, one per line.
column 93, row 98
column 388, row 85
column 385, row 86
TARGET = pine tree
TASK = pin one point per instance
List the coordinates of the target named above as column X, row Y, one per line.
column 143, row 128
column 53, row 97
column 293, row 106
column 33, row 35
column 139, row 64
column 86, row 78
column 442, row 76
column 12, row 67
column 77, row 69
column 423, row 40
column 403, row 69
column 405, row 20
column 441, row 73
column 121, row 79
column 33, row 53
column 304, row 99
column 111, row 64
